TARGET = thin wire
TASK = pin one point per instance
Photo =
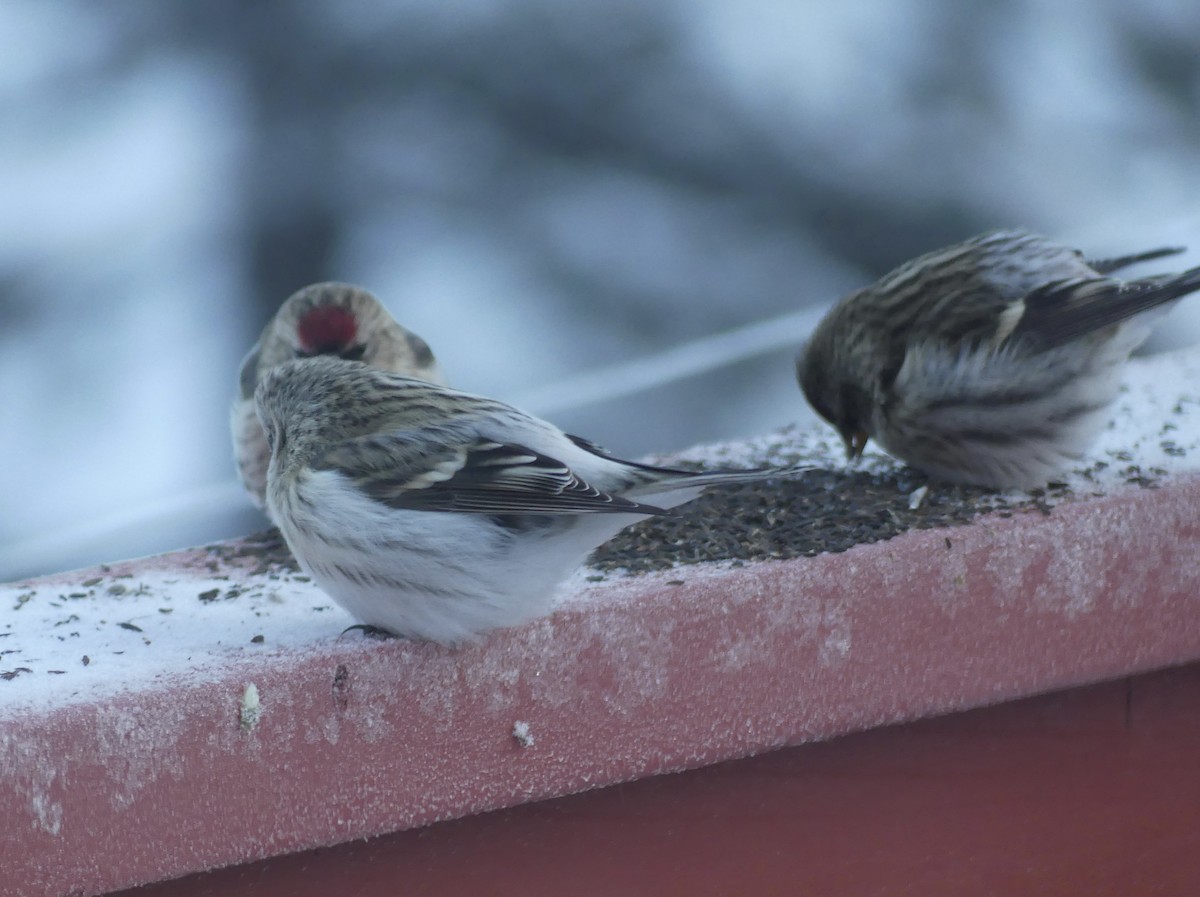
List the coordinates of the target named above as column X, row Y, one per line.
column 48, row 550
column 686, row 360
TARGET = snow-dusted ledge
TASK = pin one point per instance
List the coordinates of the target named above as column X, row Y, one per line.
column 198, row 709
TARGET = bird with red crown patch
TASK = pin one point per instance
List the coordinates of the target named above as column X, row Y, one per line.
column 333, row 319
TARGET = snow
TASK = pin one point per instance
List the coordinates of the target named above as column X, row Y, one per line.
column 82, row 636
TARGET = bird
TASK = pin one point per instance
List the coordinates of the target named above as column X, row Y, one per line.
column 440, row 515
column 321, row 319
column 990, row 362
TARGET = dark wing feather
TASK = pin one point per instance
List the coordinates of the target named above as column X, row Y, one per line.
column 484, row 477
column 600, row 451
column 1109, row 265
column 1060, row 312
column 970, row 295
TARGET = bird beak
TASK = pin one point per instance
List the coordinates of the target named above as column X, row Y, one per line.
column 855, row 443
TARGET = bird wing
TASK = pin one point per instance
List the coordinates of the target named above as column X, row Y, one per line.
column 601, row 452
column 1051, row 315
column 1019, row 286
column 413, row 471
column 1116, row 263
column 967, row 295
column 953, row 317
column 1066, row 310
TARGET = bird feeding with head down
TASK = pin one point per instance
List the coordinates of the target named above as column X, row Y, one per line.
column 990, row 362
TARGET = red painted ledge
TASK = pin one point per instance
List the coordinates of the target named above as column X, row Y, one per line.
column 232, row 723
column 355, row 739
column 1093, row 791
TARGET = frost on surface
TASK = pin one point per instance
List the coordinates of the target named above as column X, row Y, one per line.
column 79, row 637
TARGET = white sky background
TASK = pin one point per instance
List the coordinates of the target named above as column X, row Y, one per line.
column 124, row 299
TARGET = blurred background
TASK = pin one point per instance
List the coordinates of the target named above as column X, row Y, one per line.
column 557, row 196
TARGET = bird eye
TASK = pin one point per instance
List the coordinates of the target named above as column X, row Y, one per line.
column 270, row 431
column 354, row 353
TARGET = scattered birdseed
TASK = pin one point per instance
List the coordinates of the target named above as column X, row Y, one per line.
column 823, row 511
column 266, row 549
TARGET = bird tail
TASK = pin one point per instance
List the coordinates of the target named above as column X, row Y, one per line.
column 1108, row 266
column 732, row 477
column 684, row 485
column 1067, row 310
column 1152, row 291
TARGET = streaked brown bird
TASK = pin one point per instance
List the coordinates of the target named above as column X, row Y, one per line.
column 436, row 514
column 990, row 362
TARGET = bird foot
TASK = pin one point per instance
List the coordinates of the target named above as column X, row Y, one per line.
column 372, row 632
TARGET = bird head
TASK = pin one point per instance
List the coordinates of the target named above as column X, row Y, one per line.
column 341, row 321
column 840, row 402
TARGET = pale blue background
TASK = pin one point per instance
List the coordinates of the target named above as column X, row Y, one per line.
column 536, row 187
